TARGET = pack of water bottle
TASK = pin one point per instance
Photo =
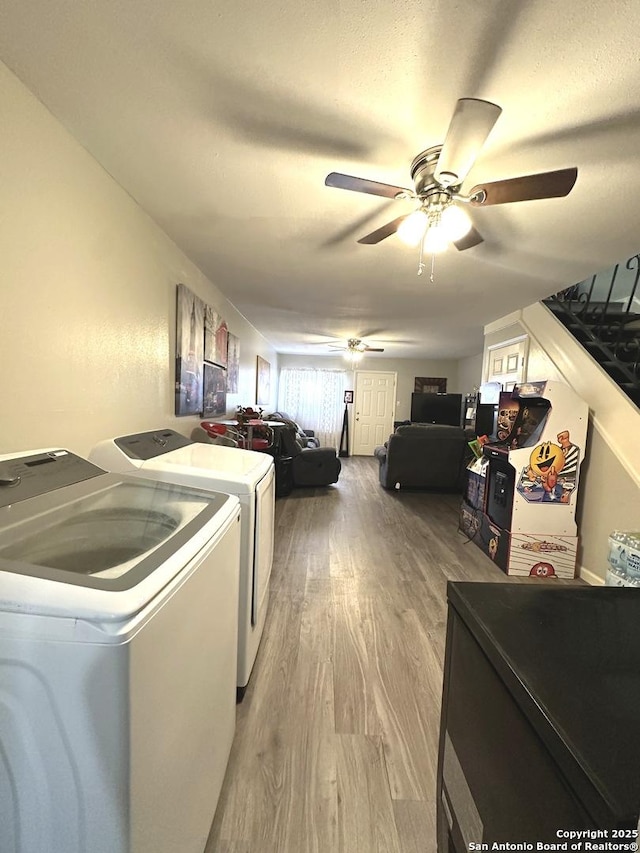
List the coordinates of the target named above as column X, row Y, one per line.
column 624, row 559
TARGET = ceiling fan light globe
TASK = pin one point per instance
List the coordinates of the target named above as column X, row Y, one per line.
column 455, row 222
column 411, row 230
column 435, row 240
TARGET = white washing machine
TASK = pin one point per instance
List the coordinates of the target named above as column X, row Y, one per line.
column 118, row 603
column 167, row 455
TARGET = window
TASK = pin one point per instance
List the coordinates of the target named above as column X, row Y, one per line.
column 315, row 399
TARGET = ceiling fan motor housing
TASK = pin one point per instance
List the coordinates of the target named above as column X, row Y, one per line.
column 355, row 345
column 423, row 169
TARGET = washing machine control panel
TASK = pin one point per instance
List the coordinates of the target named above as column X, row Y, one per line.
column 148, row 445
column 24, row 477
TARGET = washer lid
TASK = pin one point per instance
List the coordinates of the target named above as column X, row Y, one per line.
column 110, row 534
column 212, row 466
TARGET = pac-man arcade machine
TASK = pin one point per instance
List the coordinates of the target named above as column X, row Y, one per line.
column 527, row 521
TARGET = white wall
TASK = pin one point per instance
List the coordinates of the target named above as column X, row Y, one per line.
column 87, row 300
column 406, row 368
column 470, row 373
column 609, row 495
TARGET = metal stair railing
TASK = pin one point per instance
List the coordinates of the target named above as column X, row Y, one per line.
column 604, row 316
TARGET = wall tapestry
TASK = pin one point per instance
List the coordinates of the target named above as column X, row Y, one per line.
column 233, row 363
column 429, row 385
column 215, row 395
column 263, row 383
column 189, row 351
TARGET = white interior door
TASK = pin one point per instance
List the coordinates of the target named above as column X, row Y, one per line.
column 373, row 411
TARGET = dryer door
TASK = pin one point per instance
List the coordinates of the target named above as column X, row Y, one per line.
column 263, row 542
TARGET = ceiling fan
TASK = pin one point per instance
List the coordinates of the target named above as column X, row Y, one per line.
column 356, row 348
column 438, row 173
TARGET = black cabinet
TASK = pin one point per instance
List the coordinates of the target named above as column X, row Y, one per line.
column 539, row 730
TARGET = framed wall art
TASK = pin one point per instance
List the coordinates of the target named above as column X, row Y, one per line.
column 430, row 385
column 233, row 363
column 189, row 351
column 214, row 397
column 215, row 337
column 263, row 382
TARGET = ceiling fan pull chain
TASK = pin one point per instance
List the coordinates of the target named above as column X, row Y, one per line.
column 422, row 265
column 420, row 259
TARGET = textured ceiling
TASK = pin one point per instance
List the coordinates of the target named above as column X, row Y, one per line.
column 223, row 117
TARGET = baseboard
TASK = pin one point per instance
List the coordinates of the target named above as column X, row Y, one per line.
column 590, row 577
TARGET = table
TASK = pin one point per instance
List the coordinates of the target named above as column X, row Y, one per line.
column 250, row 426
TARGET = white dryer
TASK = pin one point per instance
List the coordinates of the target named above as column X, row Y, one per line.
column 166, row 455
column 118, row 603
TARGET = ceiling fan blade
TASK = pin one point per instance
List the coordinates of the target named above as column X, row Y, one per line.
column 473, row 238
column 373, row 349
column 362, row 185
column 526, row 188
column 470, row 126
column 381, row 233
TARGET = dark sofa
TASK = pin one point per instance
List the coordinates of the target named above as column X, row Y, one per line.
column 425, row 456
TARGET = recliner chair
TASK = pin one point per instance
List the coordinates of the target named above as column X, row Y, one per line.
column 311, row 466
column 306, row 436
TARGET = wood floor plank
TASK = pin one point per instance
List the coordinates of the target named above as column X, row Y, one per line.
column 355, row 706
column 416, row 826
column 312, row 728
column 407, row 742
column 227, row 846
column 366, row 822
column 420, row 656
column 257, row 743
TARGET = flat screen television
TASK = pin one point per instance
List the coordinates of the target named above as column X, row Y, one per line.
column 436, row 409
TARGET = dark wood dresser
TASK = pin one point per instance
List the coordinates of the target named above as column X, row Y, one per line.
column 540, row 728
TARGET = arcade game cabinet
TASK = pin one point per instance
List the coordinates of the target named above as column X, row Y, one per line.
column 523, row 517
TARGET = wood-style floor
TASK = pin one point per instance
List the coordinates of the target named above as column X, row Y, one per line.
column 336, row 742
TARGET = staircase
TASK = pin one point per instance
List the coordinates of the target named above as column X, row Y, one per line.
column 603, row 314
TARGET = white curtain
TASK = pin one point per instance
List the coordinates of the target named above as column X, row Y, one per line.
column 315, row 399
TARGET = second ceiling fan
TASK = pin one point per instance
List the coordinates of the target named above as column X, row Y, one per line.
column 438, row 173
column 357, row 345
column 355, row 349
